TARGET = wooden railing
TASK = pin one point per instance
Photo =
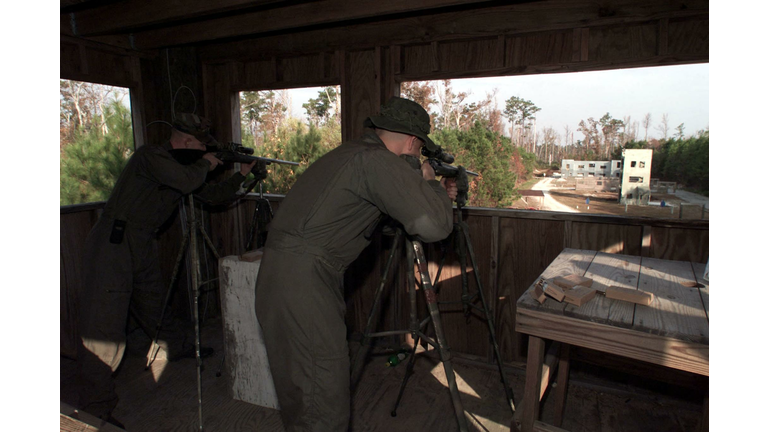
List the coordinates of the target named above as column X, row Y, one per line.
column 512, row 248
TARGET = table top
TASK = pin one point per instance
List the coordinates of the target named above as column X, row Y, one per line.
column 673, row 330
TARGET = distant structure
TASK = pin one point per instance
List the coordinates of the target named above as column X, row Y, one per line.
column 633, row 172
column 583, row 169
column 636, row 176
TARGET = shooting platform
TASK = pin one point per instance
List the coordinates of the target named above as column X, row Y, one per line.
column 246, row 365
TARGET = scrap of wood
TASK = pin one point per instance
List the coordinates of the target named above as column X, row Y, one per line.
column 571, row 281
column 538, row 294
column 631, row 295
column 554, row 291
column 252, row 256
column 579, row 295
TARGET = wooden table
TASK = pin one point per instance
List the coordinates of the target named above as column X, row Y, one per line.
column 672, row 331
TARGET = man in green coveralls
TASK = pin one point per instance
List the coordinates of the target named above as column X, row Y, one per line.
column 121, row 271
column 319, row 229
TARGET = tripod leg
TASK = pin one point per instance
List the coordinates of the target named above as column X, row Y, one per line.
column 445, row 352
column 196, row 293
column 177, row 265
column 490, row 323
column 408, row 373
column 208, row 242
column 359, row 360
column 465, row 298
column 252, row 229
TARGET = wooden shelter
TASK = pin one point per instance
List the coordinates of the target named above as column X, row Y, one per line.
column 217, row 48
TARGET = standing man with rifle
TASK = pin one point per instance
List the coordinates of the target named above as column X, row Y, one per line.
column 121, row 271
column 322, row 226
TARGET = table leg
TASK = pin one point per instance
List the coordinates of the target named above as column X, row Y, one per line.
column 532, row 383
column 562, row 383
column 704, row 425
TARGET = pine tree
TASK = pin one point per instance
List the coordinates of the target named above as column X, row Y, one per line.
column 91, row 164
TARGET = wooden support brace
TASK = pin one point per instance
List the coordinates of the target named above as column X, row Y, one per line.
column 549, row 365
column 630, row 295
column 562, row 383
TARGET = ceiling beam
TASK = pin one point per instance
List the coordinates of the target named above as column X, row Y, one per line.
column 288, row 18
column 128, row 15
column 486, row 22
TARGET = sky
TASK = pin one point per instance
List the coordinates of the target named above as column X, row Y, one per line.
column 681, row 92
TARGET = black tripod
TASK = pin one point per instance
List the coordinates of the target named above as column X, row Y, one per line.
column 194, row 228
column 414, row 253
column 262, row 215
column 464, row 246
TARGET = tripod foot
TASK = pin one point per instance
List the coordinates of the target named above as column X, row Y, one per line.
column 393, row 413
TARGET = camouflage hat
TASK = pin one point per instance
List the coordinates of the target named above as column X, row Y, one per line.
column 193, row 124
column 404, row 116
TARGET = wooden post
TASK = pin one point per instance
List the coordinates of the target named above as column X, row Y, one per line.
column 532, row 383
column 562, row 383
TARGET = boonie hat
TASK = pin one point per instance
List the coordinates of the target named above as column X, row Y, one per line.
column 404, row 116
column 193, row 124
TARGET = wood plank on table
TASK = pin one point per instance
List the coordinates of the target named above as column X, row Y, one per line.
column 634, row 344
column 698, row 271
column 570, row 261
column 606, row 270
column 677, row 310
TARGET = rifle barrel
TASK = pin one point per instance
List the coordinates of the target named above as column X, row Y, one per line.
column 280, row 161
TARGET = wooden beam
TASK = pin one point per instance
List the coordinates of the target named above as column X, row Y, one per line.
column 517, row 18
column 326, row 12
column 124, row 16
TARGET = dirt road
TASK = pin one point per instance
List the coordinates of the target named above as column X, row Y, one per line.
column 551, row 204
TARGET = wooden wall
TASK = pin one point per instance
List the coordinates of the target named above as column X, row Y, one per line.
column 512, row 248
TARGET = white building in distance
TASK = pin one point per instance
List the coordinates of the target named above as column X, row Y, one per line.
column 636, row 176
column 634, row 170
column 583, row 169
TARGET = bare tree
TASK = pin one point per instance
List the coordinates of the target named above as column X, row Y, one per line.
column 663, row 127
column 549, row 138
column 646, row 124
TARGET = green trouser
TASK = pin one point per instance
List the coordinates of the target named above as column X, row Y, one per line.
column 118, row 279
column 300, row 307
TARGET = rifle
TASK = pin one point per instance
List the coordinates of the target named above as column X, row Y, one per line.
column 236, row 152
column 441, row 161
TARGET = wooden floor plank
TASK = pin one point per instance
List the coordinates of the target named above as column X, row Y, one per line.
column 607, row 270
column 677, row 310
column 165, row 398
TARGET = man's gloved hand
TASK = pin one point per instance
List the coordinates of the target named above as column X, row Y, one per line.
column 450, row 186
column 214, row 161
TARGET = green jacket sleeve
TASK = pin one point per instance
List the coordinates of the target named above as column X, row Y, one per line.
column 223, row 192
column 159, row 166
column 422, row 207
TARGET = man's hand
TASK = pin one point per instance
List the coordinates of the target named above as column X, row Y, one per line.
column 245, row 169
column 214, row 161
column 427, row 171
column 450, row 186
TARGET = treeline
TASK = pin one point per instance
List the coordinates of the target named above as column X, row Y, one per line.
column 685, row 161
column 472, row 132
column 97, row 139
column 681, row 160
column 96, row 134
